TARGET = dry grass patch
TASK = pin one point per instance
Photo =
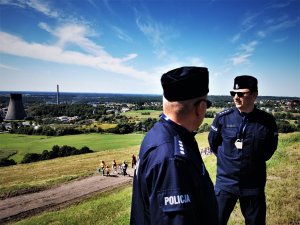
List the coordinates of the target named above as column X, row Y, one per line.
column 45, row 174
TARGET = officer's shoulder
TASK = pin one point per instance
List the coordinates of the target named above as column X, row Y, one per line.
column 156, row 138
column 267, row 117
column 225, row 112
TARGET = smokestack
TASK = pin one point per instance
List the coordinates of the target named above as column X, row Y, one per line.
column 57, row 94
column 16, row 109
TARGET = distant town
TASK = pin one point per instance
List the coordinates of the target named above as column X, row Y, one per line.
column 54, row 113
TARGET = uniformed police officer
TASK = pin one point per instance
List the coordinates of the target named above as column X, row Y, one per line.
column 171, row 184
column 243, row 139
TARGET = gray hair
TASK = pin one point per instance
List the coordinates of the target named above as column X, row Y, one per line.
column 179, row 108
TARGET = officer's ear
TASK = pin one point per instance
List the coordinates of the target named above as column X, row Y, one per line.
column 254, row 95
column 200, row 108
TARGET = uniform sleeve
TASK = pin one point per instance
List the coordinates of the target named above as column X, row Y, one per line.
column 272, row 139
column 171, row 197
column 171, row 191
column 214, row 136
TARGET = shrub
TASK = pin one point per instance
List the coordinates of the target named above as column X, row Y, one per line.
column 56, row 152
column 7, row 162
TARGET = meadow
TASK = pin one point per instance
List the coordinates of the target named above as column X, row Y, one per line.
column 24, row 178
column 22, row 144
column 113, row 207
column 140, row 115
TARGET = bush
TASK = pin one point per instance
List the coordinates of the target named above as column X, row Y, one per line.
column 31, row 157
column 56, row 152
column 285, row 127
column 7, row 162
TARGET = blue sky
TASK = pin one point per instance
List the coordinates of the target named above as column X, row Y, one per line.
column 124, row 46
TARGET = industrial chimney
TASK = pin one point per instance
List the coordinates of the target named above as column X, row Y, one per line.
column 57, row 94
column 15, row 108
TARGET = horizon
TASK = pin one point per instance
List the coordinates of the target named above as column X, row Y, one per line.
column 111, row 93
column 125, row 46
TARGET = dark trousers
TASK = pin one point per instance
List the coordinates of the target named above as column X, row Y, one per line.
column 253, row 207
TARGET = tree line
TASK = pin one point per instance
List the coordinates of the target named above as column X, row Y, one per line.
column 56, row 152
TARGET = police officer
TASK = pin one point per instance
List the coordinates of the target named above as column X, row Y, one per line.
column 171, row 184
column 243, row 139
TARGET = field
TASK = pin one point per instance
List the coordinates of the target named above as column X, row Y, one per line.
column 140, row 115
column 23, row 144
column 46, row 174
column 113, row 207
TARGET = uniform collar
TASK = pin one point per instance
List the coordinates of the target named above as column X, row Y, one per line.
column 246, row 114
column 180, row 129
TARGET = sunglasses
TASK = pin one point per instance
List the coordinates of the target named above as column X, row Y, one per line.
column 239, row 94
column 208, row 103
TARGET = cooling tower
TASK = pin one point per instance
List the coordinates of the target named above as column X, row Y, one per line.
column 15, row 108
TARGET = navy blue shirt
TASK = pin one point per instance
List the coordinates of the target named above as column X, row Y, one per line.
column 171, row 184
column 242, row 171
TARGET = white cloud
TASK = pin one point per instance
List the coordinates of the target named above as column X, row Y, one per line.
column 121, row 34
column 77, row 35
column 250, row 47
column 276, row 26
column 41, row 6
column 236, row 37
column 261, row 34
column 246, row 51
column 281, row 4
column 156, row 33
column 8, row 67
column 240, row 59
column 14, row 45
column 249, row 21
column 45, row 27
column 279, row 40
column 192, row 61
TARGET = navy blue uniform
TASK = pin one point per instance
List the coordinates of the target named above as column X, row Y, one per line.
column 171, row 184
column 242, row 171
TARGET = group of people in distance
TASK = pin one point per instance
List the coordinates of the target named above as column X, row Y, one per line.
column 171, row 185
column 115, row 169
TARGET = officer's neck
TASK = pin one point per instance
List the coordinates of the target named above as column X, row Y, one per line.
column 246, row 110
column 175, row 119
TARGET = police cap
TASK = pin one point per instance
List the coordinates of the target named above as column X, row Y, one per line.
column 185, row 83
column 245, row 82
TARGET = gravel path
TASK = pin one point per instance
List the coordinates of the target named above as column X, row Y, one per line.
column 22, row 206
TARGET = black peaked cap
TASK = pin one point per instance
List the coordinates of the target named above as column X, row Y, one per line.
column 245, row 82
column 185, row 83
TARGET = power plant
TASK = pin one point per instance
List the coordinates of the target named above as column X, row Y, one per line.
column 16, row 109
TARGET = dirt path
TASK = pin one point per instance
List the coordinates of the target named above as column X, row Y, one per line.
column 24, row 205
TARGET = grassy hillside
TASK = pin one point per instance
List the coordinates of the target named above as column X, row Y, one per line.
column 30, row 177
column 23, row 144
column 36, row 176
column 113, row 207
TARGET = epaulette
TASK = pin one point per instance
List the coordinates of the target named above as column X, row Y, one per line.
column 225, row 112
column 179, row 148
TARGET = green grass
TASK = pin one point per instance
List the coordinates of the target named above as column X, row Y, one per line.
column 283, row 183
column 109, row 208
column 96, row 125
column 208, row 121
column 137, row 115
column 36, row 144
column 6, row 153
column 141, row 115
column 282, row 191
column 31, row 177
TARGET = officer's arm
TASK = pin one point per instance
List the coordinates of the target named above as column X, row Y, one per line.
column 214, row 136
column 170, row 196
column 272, row 140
